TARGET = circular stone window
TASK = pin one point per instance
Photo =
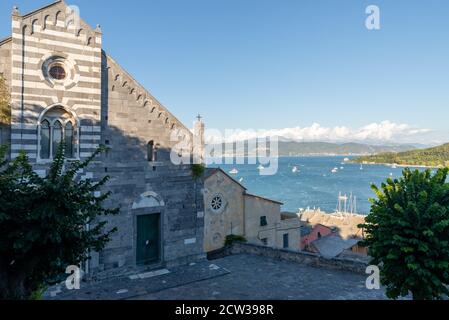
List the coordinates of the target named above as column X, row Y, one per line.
column 57, row 72
column 216, row 203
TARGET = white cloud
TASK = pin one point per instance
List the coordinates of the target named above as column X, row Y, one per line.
column 382, row 132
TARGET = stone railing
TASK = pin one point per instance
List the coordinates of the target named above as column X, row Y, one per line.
column 304, row 258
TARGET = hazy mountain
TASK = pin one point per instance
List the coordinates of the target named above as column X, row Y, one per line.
column 294, row 148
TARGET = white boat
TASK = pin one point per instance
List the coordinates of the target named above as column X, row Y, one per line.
column 341, row 168
column 234, row 171
column 394, row 166
column 295, row 169
column 261, row 167
column 241, row 180
column 346, row 204
column 346, row 159
column 334, row 170
column 361, row 167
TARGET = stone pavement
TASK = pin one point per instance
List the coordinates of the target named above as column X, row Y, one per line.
column 236, row 277
column 134, row 285
column 258, row 278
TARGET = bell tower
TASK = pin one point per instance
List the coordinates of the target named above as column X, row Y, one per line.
column 198, row 141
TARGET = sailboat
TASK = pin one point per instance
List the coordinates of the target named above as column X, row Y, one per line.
column 361, row 167
column 343, row 206
column 295, row 169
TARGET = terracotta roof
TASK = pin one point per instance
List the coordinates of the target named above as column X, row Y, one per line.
column 346, row 224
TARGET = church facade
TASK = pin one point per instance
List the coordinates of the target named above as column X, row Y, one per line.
column 64, row 86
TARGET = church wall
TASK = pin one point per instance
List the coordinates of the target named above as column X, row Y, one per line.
column 112, row 109
column 5, row 59
column 36, row 38
column 131, row 117
column 229, row 220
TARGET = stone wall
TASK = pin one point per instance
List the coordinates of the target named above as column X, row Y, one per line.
column 228, row 220
column 255, row 209
column 39, row 39
column 292, row 228
column 111, row 108
column 304, row 258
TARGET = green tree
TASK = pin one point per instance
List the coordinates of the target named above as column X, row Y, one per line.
column 408, row 234
column 43, row 222
column 5, row 110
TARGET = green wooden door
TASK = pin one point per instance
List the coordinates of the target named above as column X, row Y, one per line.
column 148, row 238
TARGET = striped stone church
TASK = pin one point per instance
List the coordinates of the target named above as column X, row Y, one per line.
column 64, row 86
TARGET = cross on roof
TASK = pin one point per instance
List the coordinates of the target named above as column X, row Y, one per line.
column 199, row 117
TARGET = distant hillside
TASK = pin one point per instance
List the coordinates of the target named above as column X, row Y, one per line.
column 317, row 148
column 293, row 148
column 432, row 157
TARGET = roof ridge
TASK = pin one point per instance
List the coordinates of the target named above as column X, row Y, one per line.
column 226, row 174
column 263, row 198
column 2, row 41
column 132, row 78
column 41, row 8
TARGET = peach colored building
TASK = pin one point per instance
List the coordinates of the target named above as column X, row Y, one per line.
column 312, row 233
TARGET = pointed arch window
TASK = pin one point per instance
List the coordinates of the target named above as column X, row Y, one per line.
column 45, row 140
column 57, row 126
column 56, row 136
column 150, row 151
column 68, row 138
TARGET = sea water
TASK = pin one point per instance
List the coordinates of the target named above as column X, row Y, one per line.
column 314, row 184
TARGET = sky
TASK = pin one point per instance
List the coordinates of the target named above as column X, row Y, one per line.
column 306, row 69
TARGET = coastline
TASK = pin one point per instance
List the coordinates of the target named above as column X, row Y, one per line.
column 397, row 165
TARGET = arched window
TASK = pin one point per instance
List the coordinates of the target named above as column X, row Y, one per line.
column 33, row 26
column 68, row 139
column 58, row 125
column 45, row 140
column 57, row 17
column 45, row 23
column 150, row 151
column 56, row 136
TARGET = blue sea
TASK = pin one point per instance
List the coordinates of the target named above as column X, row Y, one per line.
column 314, row 185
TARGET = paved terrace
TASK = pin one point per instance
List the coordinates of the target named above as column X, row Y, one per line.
column 242, row 276
column 254, row 277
